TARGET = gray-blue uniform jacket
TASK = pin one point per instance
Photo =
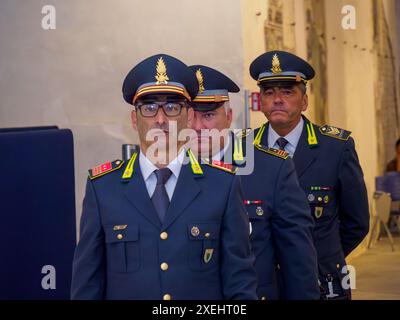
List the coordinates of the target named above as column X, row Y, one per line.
column 201, row 251
column 330, row 174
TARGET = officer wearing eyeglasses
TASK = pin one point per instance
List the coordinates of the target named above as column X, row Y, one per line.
column 162, row 225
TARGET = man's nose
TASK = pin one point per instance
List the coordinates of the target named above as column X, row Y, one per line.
column 197, row 123
column 277, row 97
column 160, row 116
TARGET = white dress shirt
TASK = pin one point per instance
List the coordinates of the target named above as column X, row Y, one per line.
column 150, row 178
column 292, row 138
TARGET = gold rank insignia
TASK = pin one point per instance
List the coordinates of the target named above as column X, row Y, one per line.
column 161, row 69
column 208, row 255
column 276, row 64
column 335, row 132
column 105, row 168
column 200, row 80
column 275, row 152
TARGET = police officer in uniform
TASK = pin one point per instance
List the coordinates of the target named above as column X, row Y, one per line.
column 281, row 226
column 154, row 229
column 326, row 163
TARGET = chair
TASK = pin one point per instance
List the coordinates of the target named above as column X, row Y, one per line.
column 382, row 202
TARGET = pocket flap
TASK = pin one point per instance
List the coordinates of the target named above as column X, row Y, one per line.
column 129, row 233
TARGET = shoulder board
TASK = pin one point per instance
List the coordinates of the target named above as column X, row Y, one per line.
column 275, row 152
column 105, row 168
column 335, row 132
column 243, row 133
column 227, row 167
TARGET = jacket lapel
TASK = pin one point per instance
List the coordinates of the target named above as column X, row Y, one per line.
column 186, row 190
column 304, row 155
column 135, row 191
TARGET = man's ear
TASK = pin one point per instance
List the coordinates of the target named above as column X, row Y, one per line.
column 190, row 117
column 134, row 119
column 229, row 117
column 305, row 102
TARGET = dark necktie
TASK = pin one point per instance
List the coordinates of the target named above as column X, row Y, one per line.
column 282, row 142
column 160, row 197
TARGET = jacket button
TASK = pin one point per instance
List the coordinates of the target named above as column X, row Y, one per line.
column 167, row 297
column 164, row 236
column 119, row 236
column 164, row 266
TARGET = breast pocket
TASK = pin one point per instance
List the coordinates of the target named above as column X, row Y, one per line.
column 322, row 204
column 258, row 225
column 204, row 246
column 123, row 254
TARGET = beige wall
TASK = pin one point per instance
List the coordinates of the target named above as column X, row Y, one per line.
column 72, row 76
column 351, row 74
column 254, row 13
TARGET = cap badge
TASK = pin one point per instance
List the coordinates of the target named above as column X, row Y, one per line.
column 200, row 79
column 276, row 65
column 161, row 75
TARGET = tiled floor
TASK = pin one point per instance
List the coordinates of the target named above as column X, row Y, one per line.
column 378, row 272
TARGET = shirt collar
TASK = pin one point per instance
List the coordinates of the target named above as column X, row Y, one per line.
column 147, row 167
column 292, row 137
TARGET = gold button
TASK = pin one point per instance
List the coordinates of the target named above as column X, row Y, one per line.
column 164, row 236
column 207, row 235
column 119, row 236
column 263, row 298
column 195, row 231
column 164, row 266
column 320, row 199
column 338, row 266
column 167, row 297
column 118, row 162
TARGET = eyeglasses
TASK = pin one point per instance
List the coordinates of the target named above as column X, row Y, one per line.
column 171, row 109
